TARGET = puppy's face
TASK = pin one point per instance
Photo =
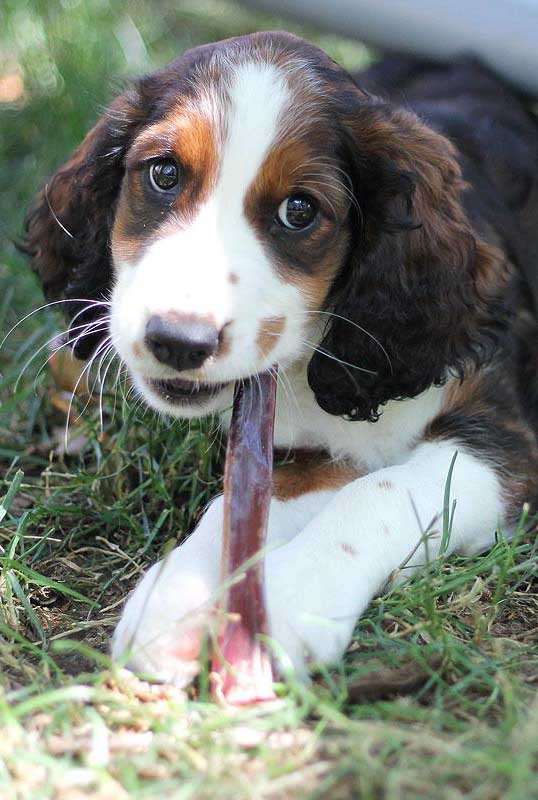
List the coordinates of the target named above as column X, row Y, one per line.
column 230, row 227
column 226, row 200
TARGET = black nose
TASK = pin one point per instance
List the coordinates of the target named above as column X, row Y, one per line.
column 181, row 343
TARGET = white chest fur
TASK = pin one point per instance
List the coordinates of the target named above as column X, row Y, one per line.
column 300, row 422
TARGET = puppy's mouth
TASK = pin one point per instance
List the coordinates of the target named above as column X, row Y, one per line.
column 180, row 391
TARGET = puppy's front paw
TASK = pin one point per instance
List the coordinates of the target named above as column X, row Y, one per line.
column 165, row 619
column 309, row 623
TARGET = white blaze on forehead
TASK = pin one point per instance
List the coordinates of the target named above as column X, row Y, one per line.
column 259, row 96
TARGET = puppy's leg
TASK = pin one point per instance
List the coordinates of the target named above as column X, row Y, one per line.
column 319, row 583
column 170, row 610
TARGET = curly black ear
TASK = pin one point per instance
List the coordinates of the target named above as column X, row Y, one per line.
column 67, row 230
column 418, row 297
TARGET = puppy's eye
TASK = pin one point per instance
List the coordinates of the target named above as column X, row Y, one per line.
column 297, row 211
column 164, row 175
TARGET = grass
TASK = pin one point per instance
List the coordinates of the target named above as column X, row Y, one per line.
column 78, row 528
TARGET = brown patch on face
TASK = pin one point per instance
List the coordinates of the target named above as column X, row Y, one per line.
column 225, row 341
column 348, row 549
column 385, row 485
column 308, row 259
column 315, row 288
column 125, row 249
column 233, row 278
column 312, row 471
column 137, row 350
column 194, row 141
column 269, row 333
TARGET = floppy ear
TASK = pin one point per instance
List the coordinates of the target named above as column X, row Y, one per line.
column 419, row 296
column 67, row 230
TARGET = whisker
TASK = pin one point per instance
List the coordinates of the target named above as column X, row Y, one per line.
column 102, row 359
column 323, row 352
column 283, row 380
column 324, row 162
column 106, row 346
column 288, row 395
column 360, row 328
column 105, row 353
column 346, row 185
column 90, row 303
column 84, row 310
column 91, row 388
column 336, row 184
column 40, row 350
column 343, row 364
column 103, row 384
column 84, row 372
column 217, row 424
column 57, row 350
column 259, row 384
column 104, row 319
column 115, row 386
column 286, row 379
column 322, row 196
column 285, row 383
column 54, row 213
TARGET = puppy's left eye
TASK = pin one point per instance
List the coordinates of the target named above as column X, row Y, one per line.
column 164, row 175
column 297, row 212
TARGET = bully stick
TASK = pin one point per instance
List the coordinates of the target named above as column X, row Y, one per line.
column 242, row 668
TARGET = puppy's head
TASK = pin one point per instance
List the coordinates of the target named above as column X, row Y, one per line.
column 249, row 204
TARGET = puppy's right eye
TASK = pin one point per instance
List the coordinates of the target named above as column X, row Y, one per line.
column 297, row 212
column 164, row 175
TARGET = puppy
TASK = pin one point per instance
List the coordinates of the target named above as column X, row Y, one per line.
column 251, row 204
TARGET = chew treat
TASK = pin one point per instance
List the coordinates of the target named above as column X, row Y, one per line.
column 242, row 666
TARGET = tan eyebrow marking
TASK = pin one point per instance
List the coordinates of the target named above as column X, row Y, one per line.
column 194, row 139
column 293, row 164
